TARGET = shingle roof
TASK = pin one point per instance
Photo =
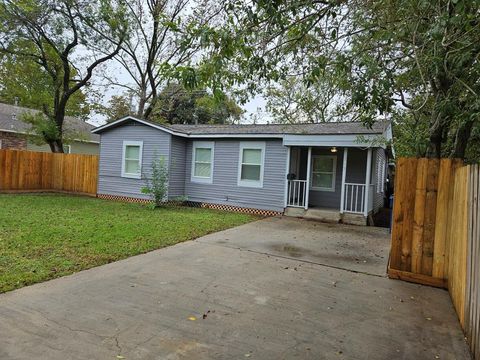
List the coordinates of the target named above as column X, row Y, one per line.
column 271, row 129
column 10, row 123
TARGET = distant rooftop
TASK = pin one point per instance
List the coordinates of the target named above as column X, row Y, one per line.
column 12, row 123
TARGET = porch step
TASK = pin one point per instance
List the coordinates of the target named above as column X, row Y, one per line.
column 354, row 219
column 295, row 212
column 325, row 215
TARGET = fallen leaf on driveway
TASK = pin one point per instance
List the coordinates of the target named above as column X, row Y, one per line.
column 192, row 318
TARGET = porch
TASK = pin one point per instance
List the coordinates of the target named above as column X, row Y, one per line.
column 331, row 183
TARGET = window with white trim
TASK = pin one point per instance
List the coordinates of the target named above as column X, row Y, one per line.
column 251, row 164
column 132, row 159
column 67, row 149
column 202, row 161
column 324, row 168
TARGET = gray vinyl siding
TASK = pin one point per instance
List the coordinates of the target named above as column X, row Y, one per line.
column 356, row 167
column 177, row 167
column 378, row 197
column 110, row 180
column 225, row 189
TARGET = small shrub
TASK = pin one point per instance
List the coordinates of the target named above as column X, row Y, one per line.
column 157, row 186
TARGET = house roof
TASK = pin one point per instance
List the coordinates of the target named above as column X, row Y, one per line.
column 330, row 128
column 267, row 130
column 10, row 122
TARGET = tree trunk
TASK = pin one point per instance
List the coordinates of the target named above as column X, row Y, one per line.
column 461, row 139
column 434, row 149
column 56, row 146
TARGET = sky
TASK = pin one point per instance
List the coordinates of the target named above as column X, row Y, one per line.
column 255, row 105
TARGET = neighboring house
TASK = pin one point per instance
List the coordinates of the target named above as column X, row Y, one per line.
column 13, row 133
column 329, row 170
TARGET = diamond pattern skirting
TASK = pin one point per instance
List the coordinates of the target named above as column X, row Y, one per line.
column 195, row 204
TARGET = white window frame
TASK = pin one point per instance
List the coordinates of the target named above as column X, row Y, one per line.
column 69, row 147
column 254, row 145
column 334, row 173
column 132, row 143
column 203, row 145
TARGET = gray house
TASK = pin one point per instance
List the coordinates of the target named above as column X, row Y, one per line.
column 327, row 170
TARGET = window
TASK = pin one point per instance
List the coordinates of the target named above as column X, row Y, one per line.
column 251, row 163
column 132, row 159
column 67, row 149
column 202, row 162
column 323, row 172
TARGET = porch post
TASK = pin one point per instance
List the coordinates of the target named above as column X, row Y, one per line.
column 344, row 175
column 307, row 185
column 287, row 170
column 367, row 180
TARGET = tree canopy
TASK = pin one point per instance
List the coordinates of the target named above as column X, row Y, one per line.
column 406, row 60
column 68, row 40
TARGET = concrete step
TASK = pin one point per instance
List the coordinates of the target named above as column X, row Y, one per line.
column 325, row 215
column 294, row 212
column 354, row 219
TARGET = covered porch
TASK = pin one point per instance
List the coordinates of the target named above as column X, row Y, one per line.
column 331, row 183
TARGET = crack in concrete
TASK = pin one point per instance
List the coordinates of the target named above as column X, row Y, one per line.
column 296, row 259
column 103, row 337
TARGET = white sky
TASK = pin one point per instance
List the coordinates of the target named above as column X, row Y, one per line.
column 255, row 105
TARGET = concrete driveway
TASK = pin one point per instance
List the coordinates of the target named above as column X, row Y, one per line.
column 279, row 288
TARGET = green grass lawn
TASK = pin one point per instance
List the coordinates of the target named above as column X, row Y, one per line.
column 47, row 236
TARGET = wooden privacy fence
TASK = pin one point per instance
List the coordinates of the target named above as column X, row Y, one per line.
column 41, row 171
column 435, row 233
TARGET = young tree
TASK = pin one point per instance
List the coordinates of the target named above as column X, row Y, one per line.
column 63, row 38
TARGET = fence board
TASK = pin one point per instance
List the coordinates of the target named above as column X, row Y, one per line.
column 397, row 217
column 445, row 236
column 419, row 215
column 28, row 170
column 472, row 303
column 441, row 219
column 458, row 224
column 429, row 226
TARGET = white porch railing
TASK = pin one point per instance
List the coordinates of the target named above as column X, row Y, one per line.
column 297, row 193
column 355, row 195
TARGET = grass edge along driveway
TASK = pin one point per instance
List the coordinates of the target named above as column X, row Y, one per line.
column 43, row 237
